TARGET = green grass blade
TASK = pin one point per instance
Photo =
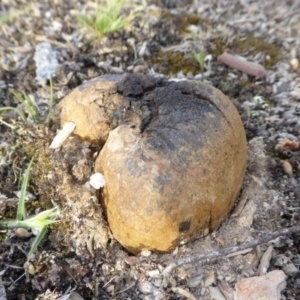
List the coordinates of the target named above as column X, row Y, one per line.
column 9, row 224
column 7, row 124
column 21, row 204
column 31, row 109
column 18, row 96
column 28, row 105
column 15, row 110
column 10, row 17
column 37, row 240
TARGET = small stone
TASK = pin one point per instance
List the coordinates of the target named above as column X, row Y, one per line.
column 265, row 261
column 194, row 281
column 71, row 296
column 294, row 64
column 246, row 217
column 157, row 282
column 215, row 293
column 183, row 272
column 46, row 62
column 280, row 260
column 210, row 279
column 290, row 269
column 267, row 287
column 226, row 290
column 158, row 295
column 31, row 269
column 22, row 233
column 145, row 253
column 154, row 273
column 140, row 69
column 110, row 289
column 183, row 293
column 132, row 260
column 145, row 287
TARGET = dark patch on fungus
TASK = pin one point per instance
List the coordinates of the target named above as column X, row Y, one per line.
column 184, row 226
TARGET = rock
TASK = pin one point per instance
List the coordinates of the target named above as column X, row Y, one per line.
column 183, row 292
column 154, row 273
column 280, row 260
column 194, row 281
column 132, row 260
column 226, row 290
column 290, row 269
column 265, row 261
column 174, row 159
column 210, row 279
column 266, row 287
column 71, row 296
column 215, row 293
column 145, row 287
column 294, row 62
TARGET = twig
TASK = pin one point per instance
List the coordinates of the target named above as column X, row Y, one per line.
column 243, row 65
column 223, row 252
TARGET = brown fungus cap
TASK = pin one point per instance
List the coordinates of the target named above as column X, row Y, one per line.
column 174, row 160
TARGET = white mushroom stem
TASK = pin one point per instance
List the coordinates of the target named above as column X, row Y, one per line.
column 62, row 135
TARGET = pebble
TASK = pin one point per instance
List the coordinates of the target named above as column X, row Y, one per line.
column 247, row 215
column 290, row 269
column 280, row 260
column 22, row 233
column 210, row 279
column 157, row 282
column 140, row 69
column 45, row 58
column 71, row 296
column 154, row 273
column 132, row 260
column 145, row 253
column 145, row 287
column 215, row 293
column 294, row 64
column 226, row 290
column 265, row 261
column 295, row 93
column 266, row 287
column 158, row 295
column 194, row 281
column 183, row 293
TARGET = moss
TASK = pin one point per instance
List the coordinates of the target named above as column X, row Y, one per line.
column 170, row 63
column 249, row 45
column 182, row 21
column 25, row 142
column 252, row 45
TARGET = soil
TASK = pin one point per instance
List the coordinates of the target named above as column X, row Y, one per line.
column 79, row 255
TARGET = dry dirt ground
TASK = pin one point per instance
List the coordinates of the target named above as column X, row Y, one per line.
column 79, row 254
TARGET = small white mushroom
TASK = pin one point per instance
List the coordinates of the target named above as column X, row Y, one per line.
column 97, row 181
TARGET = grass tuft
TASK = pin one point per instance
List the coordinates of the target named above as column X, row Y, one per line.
column 12, row 16
column 199, row 56
column 107, row 19
column 30, row 112
column 39, row 222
